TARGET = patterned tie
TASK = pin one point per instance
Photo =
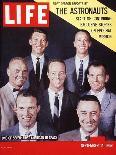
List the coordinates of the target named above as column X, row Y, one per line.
column 56, row 112
column 80, row 78
column 38, row 70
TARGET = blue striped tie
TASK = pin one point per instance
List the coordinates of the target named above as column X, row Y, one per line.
column 80, row 77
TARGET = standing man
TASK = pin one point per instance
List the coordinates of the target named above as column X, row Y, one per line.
column 27, row 109
column 17, row 72
column 37, row 62
column 57, row 104
column 98, row 77
column 76, row 67
column 88, row 111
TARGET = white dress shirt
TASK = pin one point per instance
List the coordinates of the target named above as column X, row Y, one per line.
column 85, row 65
column 41, row 60
column 23, row 131
column 52, row 100
column 99, row 95
column 83, row 135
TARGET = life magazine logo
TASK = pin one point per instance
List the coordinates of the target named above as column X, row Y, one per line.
column 25, row 14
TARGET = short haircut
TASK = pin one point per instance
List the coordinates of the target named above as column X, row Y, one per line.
column 87, row 33
column 18, row 58
column 97, row 63
column 56, row 60
column 89, row 98
column 27, row 93
column 39, row 31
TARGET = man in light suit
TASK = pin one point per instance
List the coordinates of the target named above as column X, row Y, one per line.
column 61, row 117
column 88, row 111
column 17, row 72
column 37, row 62
column 27, row 108
column 98, row 77
column 76, row 67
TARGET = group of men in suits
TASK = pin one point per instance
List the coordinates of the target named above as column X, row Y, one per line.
column 23, row 74
column 58, row 84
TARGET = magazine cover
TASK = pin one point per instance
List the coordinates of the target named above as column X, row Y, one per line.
column 58, row 77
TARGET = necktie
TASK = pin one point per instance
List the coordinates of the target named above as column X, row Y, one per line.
column 14, row 89
column 80, row 78
column 38, row 70
column 87, row 137
column 56, row 112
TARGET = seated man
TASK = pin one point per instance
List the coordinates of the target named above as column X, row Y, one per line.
column 27, row 109
column 88, row 111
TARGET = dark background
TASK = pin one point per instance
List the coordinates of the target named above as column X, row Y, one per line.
column 14, row 42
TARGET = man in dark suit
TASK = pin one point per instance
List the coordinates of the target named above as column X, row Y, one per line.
column 37, row 62
column 88, row 111
column 17, row 72
column 26, row 109
column 98, row 77
column 76, row 67
column 57, row 104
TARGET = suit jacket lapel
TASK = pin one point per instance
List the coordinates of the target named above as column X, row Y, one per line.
column 64, row 101
column 15, row 130
column 74, row 76
column 47, row 109
column 76, row 136
column 30, row 64
column 9, row 95
column 105, row 101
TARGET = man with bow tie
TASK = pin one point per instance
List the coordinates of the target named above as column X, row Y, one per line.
column 17, row 72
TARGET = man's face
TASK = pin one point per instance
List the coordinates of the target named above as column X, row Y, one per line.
column 88, row 113
column 18, row 73
column 57, row 75
column 82, row 43
column 27, row 111
column 39, row 43
column 97, row 78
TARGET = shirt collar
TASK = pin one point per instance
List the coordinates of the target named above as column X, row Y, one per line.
column 34, row 58
column 83, row 135
column 84, row 59
column 60, row 93
column 33, row 130
column 99, row 94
